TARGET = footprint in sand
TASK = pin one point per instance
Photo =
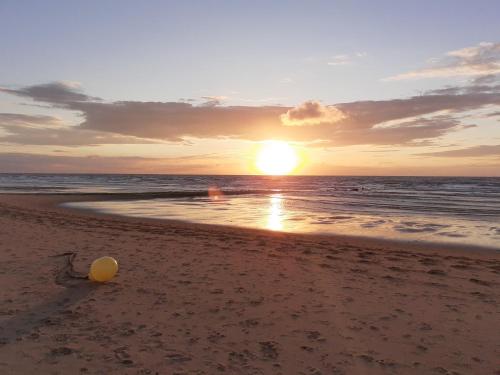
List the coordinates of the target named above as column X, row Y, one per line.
column 269, row 349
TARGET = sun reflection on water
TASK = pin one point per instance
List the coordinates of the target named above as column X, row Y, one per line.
column 274, row 218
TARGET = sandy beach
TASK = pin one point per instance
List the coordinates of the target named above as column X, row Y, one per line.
column 200, row 299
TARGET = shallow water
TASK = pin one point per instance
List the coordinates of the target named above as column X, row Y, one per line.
column 279, row 212
column 459, row 210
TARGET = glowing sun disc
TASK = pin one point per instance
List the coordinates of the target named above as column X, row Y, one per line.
column 276, row 158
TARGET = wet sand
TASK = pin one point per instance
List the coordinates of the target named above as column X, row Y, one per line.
column 201, row 299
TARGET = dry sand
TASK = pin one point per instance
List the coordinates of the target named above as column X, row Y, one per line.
column 199, row 299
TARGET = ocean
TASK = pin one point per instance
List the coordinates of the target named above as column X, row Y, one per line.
column 461, row 210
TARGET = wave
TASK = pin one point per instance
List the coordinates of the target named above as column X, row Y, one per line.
column 171, row 194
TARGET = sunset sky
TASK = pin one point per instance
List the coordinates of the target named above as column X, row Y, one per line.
column 355, row 87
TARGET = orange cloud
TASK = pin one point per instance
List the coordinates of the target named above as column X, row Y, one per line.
column 412, row 119
column 311, row 113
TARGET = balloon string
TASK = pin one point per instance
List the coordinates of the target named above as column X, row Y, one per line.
column 69, row 269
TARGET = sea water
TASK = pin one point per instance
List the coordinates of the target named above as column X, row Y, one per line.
column 438, row 209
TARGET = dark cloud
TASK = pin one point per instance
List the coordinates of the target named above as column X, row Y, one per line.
column 475, row 151
column 485, row 80
column 403, row 133
column 175, row 121
column 361, row 123
column 408, row 121
column 61, row 93
column 374, row 112
column 493, row 114
column 489, row 84
column 65, row 137
column 48, row 130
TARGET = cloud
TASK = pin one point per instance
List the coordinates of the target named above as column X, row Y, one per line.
column 211, row 164
column 410, row 132
column 485, row 79
column 61, row 93
column 385, row 122
column 493, row 114
column 488, row 84
column 311, row 113
column 345, row 59
column 17, row 119
column 483, row 59
column 36, row 163
column 48, row 130
column 176, row 121
column 339, row 60
column 475, row 151
column 212, row 101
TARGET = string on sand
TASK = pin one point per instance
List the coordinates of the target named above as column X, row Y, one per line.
column 68, row 269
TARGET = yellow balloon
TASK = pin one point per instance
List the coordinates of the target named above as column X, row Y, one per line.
column 103, row 269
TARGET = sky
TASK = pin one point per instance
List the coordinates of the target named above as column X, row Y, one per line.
column 194, row 87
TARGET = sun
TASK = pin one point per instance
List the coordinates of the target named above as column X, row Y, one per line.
column 276, row 158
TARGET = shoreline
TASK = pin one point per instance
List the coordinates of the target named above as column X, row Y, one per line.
column 57, row 201
column 205, row 299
